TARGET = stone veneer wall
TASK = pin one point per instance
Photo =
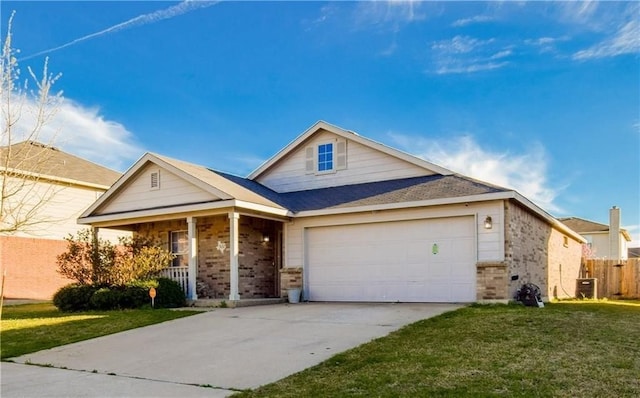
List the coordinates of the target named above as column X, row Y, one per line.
column 256, row 261
column 290, row 278
column 540, row 254
column 257, row 269
column 526, row 248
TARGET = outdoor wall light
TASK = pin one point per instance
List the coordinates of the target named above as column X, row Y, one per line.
column 488, row 223
column 265, row 238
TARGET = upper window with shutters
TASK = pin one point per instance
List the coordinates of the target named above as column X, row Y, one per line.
column 326, row 157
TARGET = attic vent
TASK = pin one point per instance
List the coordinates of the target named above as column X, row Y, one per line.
column 155, row 180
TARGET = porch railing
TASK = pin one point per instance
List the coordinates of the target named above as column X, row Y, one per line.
column 180, row 275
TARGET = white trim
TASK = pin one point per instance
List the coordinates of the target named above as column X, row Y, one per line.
column 192, row 236
column 177, row 211
column 234, row 278
column 137, row 167
column 447, row 201
column 348, row 135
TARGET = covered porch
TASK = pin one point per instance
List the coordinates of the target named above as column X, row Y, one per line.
column 228, row 256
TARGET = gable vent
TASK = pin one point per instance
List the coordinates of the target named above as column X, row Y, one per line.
column 155, row 180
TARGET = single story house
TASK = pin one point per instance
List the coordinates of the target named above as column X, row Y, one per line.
column 344, row 218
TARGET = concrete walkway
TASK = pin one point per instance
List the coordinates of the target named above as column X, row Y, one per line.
column 227, row 349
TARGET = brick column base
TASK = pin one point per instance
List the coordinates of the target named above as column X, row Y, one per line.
column 290, row 278
column 492, row 282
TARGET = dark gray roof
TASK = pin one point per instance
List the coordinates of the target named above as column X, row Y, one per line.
column 35, row 157
column 581, row 225
column 373, row 193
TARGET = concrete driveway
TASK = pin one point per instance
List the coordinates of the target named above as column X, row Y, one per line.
column 227, row 349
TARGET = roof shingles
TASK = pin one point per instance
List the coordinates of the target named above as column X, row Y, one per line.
column 44, row 160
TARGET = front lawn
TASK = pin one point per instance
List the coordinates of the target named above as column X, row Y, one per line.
column 581, row 349
column 34, row 327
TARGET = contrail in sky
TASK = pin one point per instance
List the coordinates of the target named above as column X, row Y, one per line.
column 144, row 19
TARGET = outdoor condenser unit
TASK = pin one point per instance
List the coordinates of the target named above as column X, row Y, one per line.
column 587, row 288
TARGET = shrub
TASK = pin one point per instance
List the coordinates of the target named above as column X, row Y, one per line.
column 76, row 297
column 169, row 294
column 105, row 299
column 88, row 259
column 135, row 297
column 73, row 297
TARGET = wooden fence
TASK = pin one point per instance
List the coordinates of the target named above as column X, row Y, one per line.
column 616, row 279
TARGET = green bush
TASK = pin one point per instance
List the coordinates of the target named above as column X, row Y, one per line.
column 135, row 297
column 169, row 294
column 74, row 297
column 105, row 299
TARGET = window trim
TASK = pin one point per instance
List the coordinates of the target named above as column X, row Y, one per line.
column 176, row 260
column 317, row 158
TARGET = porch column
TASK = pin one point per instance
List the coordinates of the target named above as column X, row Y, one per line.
column 193, row 257
column 233, row 256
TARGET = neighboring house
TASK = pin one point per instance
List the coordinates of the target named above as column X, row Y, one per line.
column 633, row 252
column 345, row 219
column 54, row 188
column 604, row 241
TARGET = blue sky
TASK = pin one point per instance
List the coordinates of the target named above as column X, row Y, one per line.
column 542, row 97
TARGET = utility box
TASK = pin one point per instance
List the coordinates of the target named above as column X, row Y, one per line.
column 587, row 288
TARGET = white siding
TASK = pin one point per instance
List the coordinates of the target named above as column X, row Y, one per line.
column 364, row 164
column 138, row 193
column 58, row 207
column 490, row 244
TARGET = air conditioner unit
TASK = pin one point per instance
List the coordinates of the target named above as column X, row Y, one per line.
column 587, row 288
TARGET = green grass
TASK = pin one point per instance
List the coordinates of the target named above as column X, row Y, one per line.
column 563, row 350
column 34, row 327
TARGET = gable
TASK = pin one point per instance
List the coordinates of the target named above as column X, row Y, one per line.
column 298, row 170
column 153, row 187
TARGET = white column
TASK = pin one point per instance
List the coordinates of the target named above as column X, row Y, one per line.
column 233, row 256
column 193, row 257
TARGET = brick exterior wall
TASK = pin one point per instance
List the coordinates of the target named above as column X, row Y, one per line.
column 30, row 265
column 492, row 281
column 537, row 253
column 564, row 265
column 290, row 278
column 257, row 271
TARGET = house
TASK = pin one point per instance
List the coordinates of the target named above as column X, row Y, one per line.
column 344, row 218
column 603, row 241
column 45, row 190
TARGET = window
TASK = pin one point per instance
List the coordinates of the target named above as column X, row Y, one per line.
column 565, row 241
column 179, row 248
column 325, row 157
column 155, row 180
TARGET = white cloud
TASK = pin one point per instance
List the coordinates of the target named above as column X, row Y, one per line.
column 524, row 172
column 389, row 12
column 460, row 45
column 472, row 20
column 464, row 54
column 81, row 131
column 625, row 41
column 452, row 68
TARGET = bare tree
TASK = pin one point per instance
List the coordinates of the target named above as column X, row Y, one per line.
column 24, row 159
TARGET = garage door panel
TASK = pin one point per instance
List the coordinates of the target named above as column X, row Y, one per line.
column 393, row 261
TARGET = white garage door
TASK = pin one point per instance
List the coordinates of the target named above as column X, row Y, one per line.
column 407, row 261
